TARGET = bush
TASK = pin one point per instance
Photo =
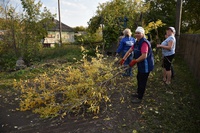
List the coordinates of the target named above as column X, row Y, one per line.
column 7, row 60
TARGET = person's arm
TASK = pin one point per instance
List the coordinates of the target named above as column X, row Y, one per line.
column 168, row 47
column 128, row 53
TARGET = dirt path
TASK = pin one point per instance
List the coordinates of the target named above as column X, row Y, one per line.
column 117, row 116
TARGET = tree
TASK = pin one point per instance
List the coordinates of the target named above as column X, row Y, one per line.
column 115, row 16
column 165, row 10
column 23, row 31
column 190, row 16
column 79, row 28
column 35, row 24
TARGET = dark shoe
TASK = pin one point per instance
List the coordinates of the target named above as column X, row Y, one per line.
column 125, row 75
column 130, row 75
column 134, row 95
column 136, row 100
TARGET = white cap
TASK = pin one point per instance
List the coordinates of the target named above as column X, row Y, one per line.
column 172, row 29
column 140, row 29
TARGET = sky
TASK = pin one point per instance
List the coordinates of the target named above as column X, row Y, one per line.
column 73, row 12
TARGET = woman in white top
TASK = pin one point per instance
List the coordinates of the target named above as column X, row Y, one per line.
column 168, row 50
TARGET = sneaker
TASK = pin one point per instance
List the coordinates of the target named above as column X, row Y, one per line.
column 136, row 100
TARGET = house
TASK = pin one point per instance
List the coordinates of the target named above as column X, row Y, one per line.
column 54, row 35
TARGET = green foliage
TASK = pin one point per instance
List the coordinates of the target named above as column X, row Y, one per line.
column 190, row 16
column 23, row 32
column 113, row 20
column 165, row 10
column 79, row 28
column 90, row 40
column 7, row 60
column 161, row 9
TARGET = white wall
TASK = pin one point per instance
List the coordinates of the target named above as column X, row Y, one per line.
column 54, row 37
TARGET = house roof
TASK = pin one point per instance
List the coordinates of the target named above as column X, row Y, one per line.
column 65, row 27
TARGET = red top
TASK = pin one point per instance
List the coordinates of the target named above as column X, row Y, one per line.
column 144, row 48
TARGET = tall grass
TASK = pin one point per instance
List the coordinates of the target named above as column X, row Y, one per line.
column 68, row 52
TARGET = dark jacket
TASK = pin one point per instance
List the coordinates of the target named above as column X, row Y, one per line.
column 147, row 64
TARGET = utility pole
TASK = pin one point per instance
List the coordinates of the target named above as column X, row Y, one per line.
column 60, row 26
column 102, row 22
column 178, row 20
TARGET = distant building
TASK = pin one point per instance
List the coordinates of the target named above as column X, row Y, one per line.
column 54, row 35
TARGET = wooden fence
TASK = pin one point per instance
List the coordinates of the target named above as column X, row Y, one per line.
column 189, row 49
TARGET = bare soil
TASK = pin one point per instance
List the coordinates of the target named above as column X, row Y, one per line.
column 115, row 117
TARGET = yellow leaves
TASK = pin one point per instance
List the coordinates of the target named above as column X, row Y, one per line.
column 94, row 108
column 48, row 111
column 63, row 115
column 122, row 99
column 95, row 117
column 134, row 131
column 107, row 119
column 154, row 25
column 68, row 89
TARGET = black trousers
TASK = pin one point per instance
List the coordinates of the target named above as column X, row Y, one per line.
column 142, row 82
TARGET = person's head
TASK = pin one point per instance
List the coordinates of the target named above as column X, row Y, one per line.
column 127, row 32
column 170, row 31
column 139, row 33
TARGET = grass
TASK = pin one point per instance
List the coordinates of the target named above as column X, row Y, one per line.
column 173, row 108
column 68, row 52
column 65, row 54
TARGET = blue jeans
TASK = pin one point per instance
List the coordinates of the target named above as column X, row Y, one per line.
column 126, row 63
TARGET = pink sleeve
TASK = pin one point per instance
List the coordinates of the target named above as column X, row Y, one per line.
column 132, row 47
column 144, row 48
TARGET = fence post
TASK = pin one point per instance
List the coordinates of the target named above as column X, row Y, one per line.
column 178, row 21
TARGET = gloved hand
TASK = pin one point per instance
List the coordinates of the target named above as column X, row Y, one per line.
column 132, row 63
column 122, row 62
